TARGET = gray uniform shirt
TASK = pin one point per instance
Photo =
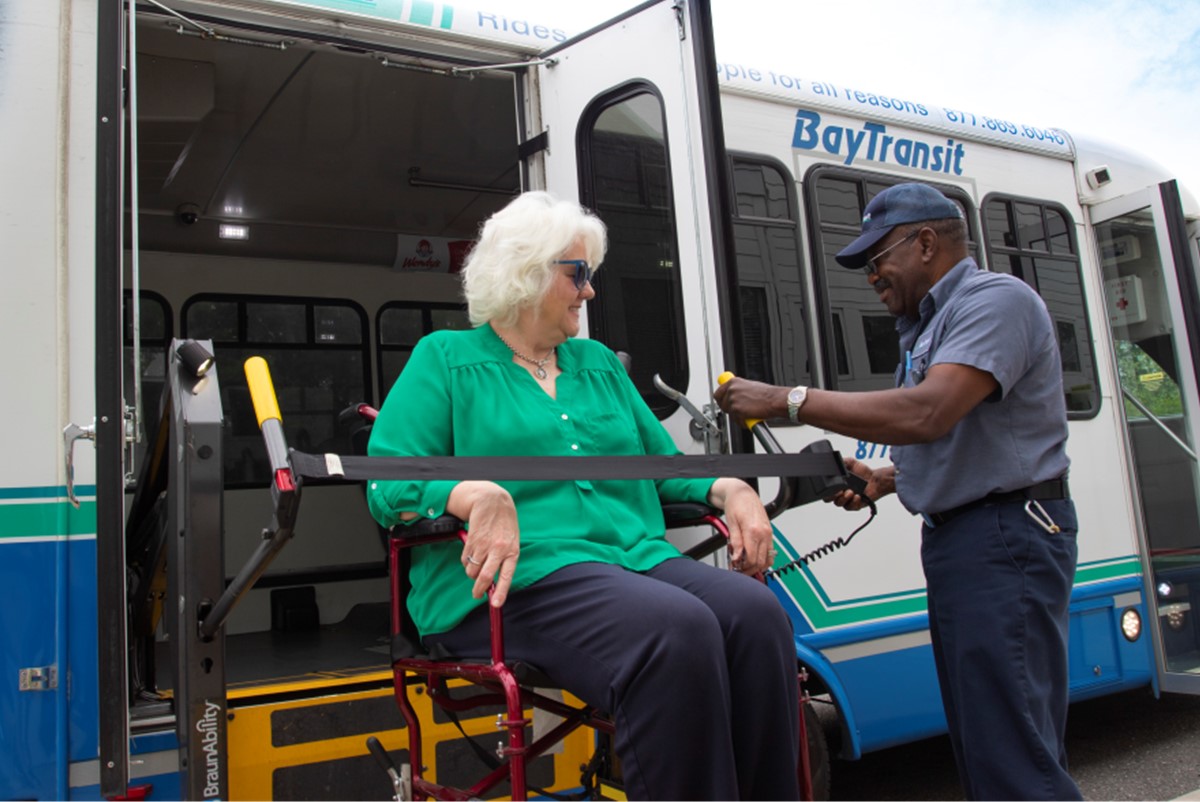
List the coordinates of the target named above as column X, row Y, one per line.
column 1015, row 438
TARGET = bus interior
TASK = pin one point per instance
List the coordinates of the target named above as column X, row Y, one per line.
column 309, row 202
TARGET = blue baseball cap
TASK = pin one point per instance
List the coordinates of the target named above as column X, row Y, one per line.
column 896, row 205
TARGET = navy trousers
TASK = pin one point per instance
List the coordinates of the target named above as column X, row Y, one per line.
column 696, row 664
column 999, row 587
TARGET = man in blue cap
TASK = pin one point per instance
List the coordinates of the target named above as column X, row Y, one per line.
column 978, row 426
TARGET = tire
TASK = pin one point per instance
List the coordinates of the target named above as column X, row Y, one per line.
column 818, row 754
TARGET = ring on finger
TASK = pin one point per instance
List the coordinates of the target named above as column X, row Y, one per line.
column 473, row 561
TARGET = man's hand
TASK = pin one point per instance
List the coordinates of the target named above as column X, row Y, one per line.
column 745, row 399
column 880, row 482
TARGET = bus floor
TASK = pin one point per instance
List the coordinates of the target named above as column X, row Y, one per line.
column 257, row 662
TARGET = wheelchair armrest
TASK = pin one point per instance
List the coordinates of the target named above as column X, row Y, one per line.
column 687, row 513
column 428, row 530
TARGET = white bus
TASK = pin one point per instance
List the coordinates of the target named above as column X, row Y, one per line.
column 300, row 179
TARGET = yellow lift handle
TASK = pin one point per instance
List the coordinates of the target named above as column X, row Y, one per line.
column 750, row 422
column 262, row 390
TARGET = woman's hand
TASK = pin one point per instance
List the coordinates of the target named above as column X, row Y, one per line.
column 493, row 537
column 750, row 547
column 880, row 482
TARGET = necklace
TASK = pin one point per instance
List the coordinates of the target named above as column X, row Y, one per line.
column 539, row 365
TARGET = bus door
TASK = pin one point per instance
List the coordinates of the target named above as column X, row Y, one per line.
column 1153, row 306
column 632, row 118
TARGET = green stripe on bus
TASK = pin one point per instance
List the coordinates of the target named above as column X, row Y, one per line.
column 1104, row 570
column 51, row 519
column 850, row 612
column 823, row 613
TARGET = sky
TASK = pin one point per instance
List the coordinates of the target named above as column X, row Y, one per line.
column 1123, row 71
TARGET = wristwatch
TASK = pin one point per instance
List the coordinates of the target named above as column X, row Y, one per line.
column 795, row 399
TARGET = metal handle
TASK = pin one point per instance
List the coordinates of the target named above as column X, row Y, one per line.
column 703, row 426
column 1184, row 447
column 71, row 433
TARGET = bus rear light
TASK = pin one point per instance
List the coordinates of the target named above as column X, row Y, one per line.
column 1131, row 624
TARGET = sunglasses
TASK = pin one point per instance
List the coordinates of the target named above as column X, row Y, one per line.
column 583, row 271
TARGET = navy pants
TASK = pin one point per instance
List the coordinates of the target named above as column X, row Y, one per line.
column 696, row 664
column 999, row 587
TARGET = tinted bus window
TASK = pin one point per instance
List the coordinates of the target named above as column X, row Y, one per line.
column 318, row 357
column 401, row 325
column 770, row 274
column 1035, row 242
column 626, row 180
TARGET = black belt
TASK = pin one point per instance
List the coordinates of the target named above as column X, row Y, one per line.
column 1050, row 490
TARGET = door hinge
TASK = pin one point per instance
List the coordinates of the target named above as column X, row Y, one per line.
column 42, row 678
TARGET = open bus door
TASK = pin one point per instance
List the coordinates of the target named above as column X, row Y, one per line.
column 632, row 115
column 1151, row 286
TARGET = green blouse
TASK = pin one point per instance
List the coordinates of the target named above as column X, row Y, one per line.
column 461, row 393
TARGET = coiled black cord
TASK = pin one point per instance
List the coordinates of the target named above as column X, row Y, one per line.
column 822, row 551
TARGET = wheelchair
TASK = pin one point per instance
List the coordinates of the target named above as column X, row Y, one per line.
column 514, row 685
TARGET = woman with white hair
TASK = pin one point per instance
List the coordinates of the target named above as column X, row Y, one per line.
column 594, row 595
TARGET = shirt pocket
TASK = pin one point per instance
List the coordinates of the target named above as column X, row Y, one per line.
column 609, row 433
column 917, row 365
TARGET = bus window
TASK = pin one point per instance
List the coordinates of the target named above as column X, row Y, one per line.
column 769, row 271
column 1035, row 242
column 317, row 353
column 862, row 348
column 639, row 299
column 401, row 325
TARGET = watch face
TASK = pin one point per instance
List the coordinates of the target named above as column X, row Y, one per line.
column 794, row 395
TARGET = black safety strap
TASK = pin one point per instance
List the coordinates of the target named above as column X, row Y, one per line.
column 549, row 469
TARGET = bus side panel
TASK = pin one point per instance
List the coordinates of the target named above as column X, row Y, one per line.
column 885, row 673
column 29, row 733
column 49, row 719
column 1101, row 659
column 895, row 697
column 47, row 548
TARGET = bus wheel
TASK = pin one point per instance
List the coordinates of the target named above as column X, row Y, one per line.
column 818, row 754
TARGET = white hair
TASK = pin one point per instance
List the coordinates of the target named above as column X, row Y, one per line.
column 511, row 266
